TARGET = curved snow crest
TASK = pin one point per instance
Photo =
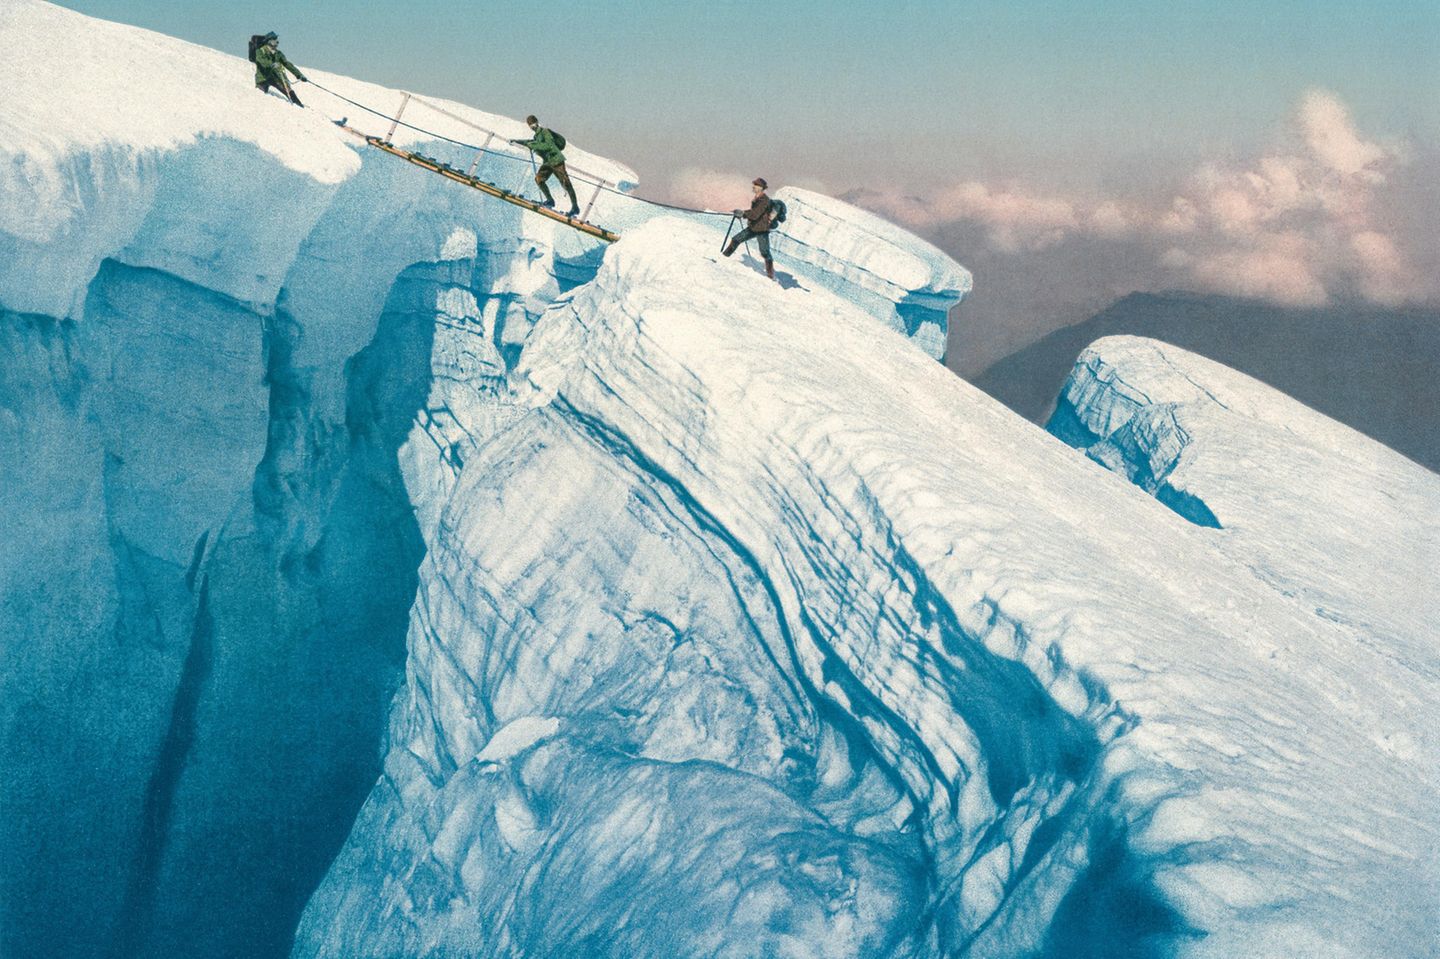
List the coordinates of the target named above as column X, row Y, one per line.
column 855, row 250
column 79, row 87
column 827, row 578
column 893, row 257
column 1344, row 524
column 185, row 168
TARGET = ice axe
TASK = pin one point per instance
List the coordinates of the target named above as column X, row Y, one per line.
column 726, row 242
column 534, row 170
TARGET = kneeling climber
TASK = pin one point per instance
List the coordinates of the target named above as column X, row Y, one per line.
column 547, row 145
column 270, row 66
column 758, row 221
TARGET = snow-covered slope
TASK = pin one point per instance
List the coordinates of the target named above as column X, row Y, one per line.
column 691, row 614
column 221, row 317
column 736, row 645
column 1340, row 524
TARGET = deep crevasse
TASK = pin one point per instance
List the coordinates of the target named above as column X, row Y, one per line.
column 991, row 703
column 739, row 620
column 221, row 319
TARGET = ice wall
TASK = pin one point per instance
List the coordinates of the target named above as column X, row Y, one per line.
column 990, row 702
column 222, row 317
column 1340, row 524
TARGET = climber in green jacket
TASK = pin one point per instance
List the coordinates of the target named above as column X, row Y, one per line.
column 270, row 67
column 547, row 145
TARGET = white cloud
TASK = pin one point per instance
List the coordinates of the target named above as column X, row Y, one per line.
column 1383, row 273
column 1278, row 267
column 1331, row 136
column 1016, row 220
column 710, row 189
column 1301, row 224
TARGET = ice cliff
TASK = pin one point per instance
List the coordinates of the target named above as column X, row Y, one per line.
column 991, row 703
column 1337, row 522
column 390, row 572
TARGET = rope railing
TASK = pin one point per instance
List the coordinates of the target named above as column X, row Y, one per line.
column 483, row 149
column 578, row 173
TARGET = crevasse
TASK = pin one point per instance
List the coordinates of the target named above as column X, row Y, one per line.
column 478, row 590
column 222, row 319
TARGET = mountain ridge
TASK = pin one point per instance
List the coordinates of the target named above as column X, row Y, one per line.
column 1372, row 368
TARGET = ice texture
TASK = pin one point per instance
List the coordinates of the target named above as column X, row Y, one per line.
column 735, row 643
column 388, row 571
column 1337, row 522
column 222, row 318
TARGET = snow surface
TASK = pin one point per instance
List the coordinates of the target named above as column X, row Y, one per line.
column 91, row 148
column 1339, row 523
column 221, row 317
column 842, row 659
column 742, row 627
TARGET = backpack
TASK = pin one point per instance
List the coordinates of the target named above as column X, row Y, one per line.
column 778, row 208
column 559, row 140
column 256, row 42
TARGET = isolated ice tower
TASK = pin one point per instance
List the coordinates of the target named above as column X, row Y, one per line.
column 390, row 572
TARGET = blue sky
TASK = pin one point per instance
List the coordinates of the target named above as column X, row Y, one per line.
column 856, row 93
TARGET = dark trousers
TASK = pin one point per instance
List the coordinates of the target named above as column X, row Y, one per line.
column 762, row 240
column 558, row 170
column 264, row 87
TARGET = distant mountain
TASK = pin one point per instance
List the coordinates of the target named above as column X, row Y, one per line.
column 1374, row 369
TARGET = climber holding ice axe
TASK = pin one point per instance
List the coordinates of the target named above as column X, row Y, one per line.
column 271, row 64
column 548, row 145
column 760, row 219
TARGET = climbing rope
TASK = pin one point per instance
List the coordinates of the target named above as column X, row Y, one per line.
column 585, row 178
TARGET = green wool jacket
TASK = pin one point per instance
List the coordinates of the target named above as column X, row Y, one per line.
column 270, row 65
column 545, row 147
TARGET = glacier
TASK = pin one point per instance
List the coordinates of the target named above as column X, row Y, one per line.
column 1301, row 501
column 390, row 572
column 1047, row 737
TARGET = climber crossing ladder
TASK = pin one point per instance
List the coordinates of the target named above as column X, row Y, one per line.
column 466, row 177
column 489, row 189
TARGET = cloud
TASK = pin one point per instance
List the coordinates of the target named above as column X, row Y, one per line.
column 1015, row 219
column 1306, row 222
column 710, row 189
column 1278, row 267
column 1331, row 136
column 723, row 190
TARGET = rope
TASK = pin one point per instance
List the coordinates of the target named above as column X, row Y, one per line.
column 500, row 153
column 410, row 126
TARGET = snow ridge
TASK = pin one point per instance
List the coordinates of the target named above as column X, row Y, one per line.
column 1306, row 501
column 791, row 592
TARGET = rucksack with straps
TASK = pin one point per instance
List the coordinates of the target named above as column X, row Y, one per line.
column 559, row 139
column 778, row 208
column 256, row 42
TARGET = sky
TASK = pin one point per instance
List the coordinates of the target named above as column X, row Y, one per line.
column 1285, row 149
